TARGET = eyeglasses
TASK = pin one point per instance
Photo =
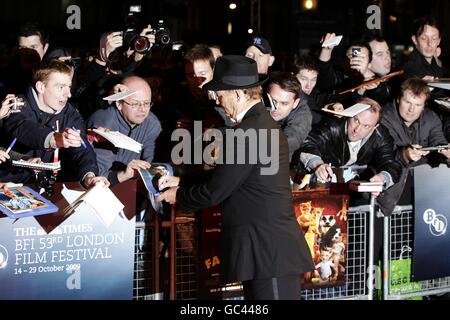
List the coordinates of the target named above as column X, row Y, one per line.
column 135, row 105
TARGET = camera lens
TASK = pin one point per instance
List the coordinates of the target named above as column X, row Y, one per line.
column 165, row 39
column 356, row 52
column 162, row 34
column 142, row 45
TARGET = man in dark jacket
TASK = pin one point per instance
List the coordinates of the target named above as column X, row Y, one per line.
column 412, row 126
column 7, row 108
column 262, row 245
column 356, row 69
column 306, row 69
column 33, row 44
column 37, row 132
column 424, row 61
column 360, row 140
column 290, row 109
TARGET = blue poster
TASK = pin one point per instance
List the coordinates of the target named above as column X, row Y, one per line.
column 431, row 257
column 78, row 258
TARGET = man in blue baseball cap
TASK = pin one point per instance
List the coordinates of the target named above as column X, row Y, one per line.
column 259, row 50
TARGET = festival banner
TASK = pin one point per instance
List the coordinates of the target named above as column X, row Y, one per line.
column 431, row 258
column 66, row 257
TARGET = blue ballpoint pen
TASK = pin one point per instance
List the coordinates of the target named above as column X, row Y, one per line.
column 11, row 145
column 82, row 142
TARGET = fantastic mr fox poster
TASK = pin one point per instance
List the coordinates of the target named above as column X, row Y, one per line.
column 323, row 218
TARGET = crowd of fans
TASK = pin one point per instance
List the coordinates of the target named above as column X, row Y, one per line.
column 63, row 99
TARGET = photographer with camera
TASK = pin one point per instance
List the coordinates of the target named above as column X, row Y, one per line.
column 114, row 60
column 355, row 70
column 130, row 43
column 120, row 54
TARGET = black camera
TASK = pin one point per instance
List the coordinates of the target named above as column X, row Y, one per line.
column 356, row 52
column 132, row 39
column 131, row 36
column 162, row 33
column 18, row 103
column 73, row 62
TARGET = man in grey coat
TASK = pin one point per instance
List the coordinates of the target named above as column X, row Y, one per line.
column 412, row 126
column 131, row 117
column 289, row 107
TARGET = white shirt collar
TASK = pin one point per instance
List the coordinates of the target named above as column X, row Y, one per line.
column 39, row 103
column 241, row 115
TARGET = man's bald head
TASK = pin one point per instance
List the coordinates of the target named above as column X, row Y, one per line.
column 136, row 107
column 139, row 85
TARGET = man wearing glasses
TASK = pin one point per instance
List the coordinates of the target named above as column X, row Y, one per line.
column 132, row 117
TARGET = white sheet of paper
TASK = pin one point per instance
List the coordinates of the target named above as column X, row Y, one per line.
column 351, row 111
column 119, row 96
column 37, row 166
column 70, row 195
column 119, row 140
column 105, row 203
column 443, row 102
column 440, row 85
column 99, row 199
column 332, row 42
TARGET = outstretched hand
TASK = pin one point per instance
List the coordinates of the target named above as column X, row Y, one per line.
column 169, row 196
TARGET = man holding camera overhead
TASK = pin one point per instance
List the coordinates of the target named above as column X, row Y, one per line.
column 119, row 53
column 355, row 71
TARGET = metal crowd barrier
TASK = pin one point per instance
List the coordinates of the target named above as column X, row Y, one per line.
column 143, row 287
column 397, row 257
column 186, row 258
column 358, row 285
column 184, row 261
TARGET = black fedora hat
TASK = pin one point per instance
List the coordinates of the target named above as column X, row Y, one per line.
column 234, row 72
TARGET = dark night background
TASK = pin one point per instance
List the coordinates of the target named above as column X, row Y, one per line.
column 288, row 27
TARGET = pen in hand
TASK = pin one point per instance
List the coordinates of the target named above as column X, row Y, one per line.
column 82, row 142
column 11, row 145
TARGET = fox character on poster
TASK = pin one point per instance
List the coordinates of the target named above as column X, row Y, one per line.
column 323, row 219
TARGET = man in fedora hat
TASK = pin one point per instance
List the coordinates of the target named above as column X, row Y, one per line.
column 262, row 244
